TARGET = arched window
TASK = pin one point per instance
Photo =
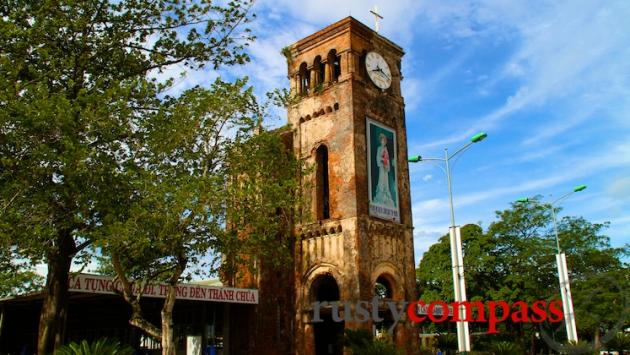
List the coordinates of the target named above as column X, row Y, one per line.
column 305, row 79
column 319, row 70
column 322, row 183
column 334, row 64
column 383, row 288
column 325, row 288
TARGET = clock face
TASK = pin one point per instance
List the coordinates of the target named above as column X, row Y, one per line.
column 378, row 70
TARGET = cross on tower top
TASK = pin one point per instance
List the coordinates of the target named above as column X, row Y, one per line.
column 377, row 17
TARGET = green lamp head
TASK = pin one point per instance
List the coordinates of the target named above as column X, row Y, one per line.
column 579, row 188
column 478, row 137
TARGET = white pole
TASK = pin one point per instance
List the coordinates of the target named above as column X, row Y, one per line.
column 457, row 259
column 457, row 288
column 462, row 286
column 457, row 262
column 567, row 301
column 565, row 286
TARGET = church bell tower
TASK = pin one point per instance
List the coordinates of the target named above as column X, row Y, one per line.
column 354, row 240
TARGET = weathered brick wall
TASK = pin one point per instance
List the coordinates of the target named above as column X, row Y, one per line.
column 351, row 246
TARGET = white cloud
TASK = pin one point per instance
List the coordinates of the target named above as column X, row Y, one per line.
column 413, row 91
column 422, row 241
column 268, row 68
column 397, row 23
column 42, row 268
column 619, row 189
column 538, row 154
column 431, row 214
column 568, row 51
column 427, row 177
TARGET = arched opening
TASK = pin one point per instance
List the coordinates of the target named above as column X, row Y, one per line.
column 325, row 289
column 319, row 72
column 305, row 79
column 328, row 333
column 383, row 290
column 322, row 183
column 334, row 65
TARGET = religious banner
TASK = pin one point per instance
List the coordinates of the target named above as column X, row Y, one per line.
column 106, row 285
column 382, row 179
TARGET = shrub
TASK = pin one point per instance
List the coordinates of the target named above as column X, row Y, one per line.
column 505, row 348
column 103, row 346
column 447, row 341
column 619, row 343
column 580, row 347
column 361, row 342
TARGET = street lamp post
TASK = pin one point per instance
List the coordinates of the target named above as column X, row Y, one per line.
column 457, row 260
column 561, row 261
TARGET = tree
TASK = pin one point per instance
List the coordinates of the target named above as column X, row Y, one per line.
column 174, row 210
column 74, row 89
column 16, row 277
column 435, row 276
column 514, row 259
column 203, row 166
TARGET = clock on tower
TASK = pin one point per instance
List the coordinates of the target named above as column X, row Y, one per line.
column 378, row 70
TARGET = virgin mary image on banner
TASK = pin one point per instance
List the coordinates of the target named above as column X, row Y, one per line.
column 382, row 171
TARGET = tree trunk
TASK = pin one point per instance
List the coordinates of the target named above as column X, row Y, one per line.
column 532, row 342
column 168, row 347
column 137, row 316
column 596, row 338
column 52, row 322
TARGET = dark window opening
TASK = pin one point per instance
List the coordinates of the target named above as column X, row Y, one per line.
column 383, row 288
column 305, row 79
column 335, row 64
column 319, row 70
column 323, row 189
column 326, row 289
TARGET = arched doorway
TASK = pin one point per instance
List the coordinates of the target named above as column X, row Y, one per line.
column 384, row 290
column 328, row 333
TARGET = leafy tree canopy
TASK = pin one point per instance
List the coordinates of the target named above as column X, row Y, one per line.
column 76, row 101
column 514, row 259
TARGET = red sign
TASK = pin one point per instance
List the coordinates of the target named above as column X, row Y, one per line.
column 106, row 285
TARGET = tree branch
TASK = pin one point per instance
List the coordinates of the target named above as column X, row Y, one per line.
column 137, row 319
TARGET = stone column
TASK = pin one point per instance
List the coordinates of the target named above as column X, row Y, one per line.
column 346, row 64
column 294, row 84
column 313, row 78
column 298, row 87
column 327, row 72
column 309, row 339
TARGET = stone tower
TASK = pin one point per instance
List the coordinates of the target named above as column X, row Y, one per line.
column 354, row 241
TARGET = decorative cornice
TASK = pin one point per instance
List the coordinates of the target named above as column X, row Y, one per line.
column 318, row 229
column 321, row 112
column 395, row 230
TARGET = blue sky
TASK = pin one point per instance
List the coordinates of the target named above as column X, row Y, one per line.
column 549, row 81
